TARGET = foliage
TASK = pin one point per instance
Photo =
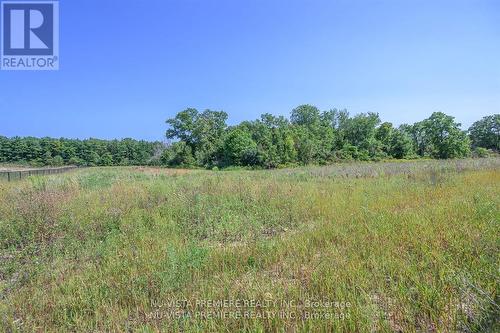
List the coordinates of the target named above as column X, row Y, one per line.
column 482, row 152
column 310, row 136
column 239, row 148
column 384, row 134
column 178, row 154
column 202, row 132
column 91, row 152
column 444, row 137
column 314, row 137
column 485, row 133
column 400, row 144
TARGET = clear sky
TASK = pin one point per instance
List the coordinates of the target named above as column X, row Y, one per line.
column 127, row 66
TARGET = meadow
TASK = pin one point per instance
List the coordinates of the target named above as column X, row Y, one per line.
column 362, row 247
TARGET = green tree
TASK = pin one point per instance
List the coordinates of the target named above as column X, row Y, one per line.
column 239, row 148
column 384, row 134
column 76, row 161
column 314, row 134
column 57, row 161
column 5, row 150
column 202, row 132
column 276, row 142
column 183, row 126
column 93, row 158
column 359, row 131
column 445, row 137
column 178, row 154
column 209, row 133
column 485, row 133
column 264, row 134
column 420, row 141
column 106, row 159
column 401, row 145
column 45, row 151
column 305, row 115
column 47, row 158
column 305, row 146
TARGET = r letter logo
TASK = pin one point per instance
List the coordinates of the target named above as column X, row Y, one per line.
column 30, row 35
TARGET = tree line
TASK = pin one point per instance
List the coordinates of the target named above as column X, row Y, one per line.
column 308, row 136
column 90, row 152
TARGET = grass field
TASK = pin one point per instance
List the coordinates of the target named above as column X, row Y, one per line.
column 387, row 247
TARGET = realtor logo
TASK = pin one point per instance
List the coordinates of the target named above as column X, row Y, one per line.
column 30, row 35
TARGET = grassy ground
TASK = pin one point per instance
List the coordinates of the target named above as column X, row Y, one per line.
column 351, row 248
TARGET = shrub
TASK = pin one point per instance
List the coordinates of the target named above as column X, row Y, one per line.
column 481, row 152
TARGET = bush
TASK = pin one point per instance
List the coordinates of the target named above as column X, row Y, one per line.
column 57, row 161
column 76, row 161
column 481, row 152
column 178, row 154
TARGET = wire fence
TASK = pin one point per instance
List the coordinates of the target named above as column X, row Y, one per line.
column 20, row 174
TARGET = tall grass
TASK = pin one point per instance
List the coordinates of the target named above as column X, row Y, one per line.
column 409, row 247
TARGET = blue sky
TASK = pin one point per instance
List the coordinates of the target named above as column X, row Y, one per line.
column 127, row 66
